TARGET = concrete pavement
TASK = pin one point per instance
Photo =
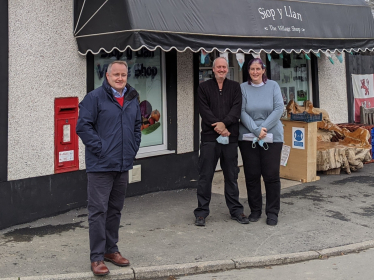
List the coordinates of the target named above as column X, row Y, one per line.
column 158, row 235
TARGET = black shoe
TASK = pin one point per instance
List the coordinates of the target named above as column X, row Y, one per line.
column 200, row 221
column 241, row 218
column 272, row 221
column 254, row 217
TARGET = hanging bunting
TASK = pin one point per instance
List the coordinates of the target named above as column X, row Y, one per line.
column 269, row 56
column 339, row 56
column 202, row 56
column 317, row 54
column 240, row 59
column 256, row 55
column 225, row 55
column 306, row 55
column 281, row 55
column 328, row 55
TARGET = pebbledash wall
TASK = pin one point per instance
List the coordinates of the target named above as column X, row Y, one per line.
column 44, row 64
column 333, row 88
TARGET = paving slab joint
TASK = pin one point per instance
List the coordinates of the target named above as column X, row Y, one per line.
column 154, row 272
column 346, row 249
column 263, row 261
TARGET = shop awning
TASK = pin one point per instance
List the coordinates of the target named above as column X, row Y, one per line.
column 235, row 26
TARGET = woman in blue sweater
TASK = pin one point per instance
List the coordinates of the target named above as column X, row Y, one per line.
column 262, row 108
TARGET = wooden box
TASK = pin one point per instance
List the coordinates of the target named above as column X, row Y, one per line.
column 302, row 163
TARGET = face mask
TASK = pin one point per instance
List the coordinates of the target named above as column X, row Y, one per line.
column 224, row 140
column 260, row 142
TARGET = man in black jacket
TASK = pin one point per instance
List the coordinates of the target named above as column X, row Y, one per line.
column 220, row 102
column 109, row 126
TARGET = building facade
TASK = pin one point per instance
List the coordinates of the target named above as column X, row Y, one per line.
column 41, row 63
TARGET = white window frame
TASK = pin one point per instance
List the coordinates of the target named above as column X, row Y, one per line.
column 162, row 148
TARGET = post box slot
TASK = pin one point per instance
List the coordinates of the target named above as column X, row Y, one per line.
column 66, row 110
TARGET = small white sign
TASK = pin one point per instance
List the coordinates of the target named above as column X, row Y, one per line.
column 285, row 155
column 66, row 133
column 298, row 138
column 66, row 156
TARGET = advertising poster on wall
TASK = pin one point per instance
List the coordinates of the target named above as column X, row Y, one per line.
column 363, row 93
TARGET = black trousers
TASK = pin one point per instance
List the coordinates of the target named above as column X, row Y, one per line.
column 106, row 195
column 256, row 162
column 210, row 152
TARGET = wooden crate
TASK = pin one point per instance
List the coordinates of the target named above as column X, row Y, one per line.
column 302, row 163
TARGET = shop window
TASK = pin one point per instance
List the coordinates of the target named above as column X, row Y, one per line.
column 146, row 75
column 206, row 73
column 292, row 73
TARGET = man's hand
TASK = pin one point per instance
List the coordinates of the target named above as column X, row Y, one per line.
column 225, row 132
column 219, row 127
column 263, row 133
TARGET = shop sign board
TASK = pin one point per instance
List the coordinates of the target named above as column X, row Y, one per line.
column 298, row 138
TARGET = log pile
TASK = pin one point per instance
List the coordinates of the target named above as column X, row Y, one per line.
column 338, row 147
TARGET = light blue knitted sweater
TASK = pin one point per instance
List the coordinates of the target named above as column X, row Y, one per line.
column 262, row 107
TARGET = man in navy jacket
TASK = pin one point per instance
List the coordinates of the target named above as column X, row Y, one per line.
column 109, row 126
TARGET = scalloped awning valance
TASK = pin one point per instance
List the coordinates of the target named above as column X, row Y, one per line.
column 235, row 26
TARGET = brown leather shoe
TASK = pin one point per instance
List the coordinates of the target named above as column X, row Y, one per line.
column 116, row 259
column 99, row 268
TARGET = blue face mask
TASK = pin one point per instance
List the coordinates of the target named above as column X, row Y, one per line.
column 224, row 140
column 260, row 142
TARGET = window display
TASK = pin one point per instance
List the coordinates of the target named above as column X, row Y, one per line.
column 291, row 72
column 145, row 75
column 205, row 67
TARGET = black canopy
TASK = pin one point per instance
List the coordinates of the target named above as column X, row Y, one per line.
column 236, row 26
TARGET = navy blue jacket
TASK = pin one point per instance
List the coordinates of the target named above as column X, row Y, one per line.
column 111, row 133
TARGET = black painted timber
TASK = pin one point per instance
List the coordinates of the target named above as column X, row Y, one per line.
column 171, row 98
column 315, row 83
column 4, row 85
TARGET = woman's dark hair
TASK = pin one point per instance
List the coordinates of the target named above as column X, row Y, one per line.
column 259, row 61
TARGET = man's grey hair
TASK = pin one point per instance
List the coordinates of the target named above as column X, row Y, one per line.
column 114, row 62
column 214, row 61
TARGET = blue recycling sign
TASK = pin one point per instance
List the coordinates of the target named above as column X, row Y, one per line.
column 298, row 141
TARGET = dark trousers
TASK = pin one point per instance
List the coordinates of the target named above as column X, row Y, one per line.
column 106, row 195
column 257, row 162
column 210, row 152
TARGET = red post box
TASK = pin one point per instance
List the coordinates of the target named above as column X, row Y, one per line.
column 66, row 140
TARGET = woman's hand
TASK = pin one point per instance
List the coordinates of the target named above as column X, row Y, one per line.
column 263, row 133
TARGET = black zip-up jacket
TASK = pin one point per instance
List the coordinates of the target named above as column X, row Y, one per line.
column 216, row 106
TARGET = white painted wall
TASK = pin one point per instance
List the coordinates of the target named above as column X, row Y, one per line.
column 185, row 102
column 43, row 64
column 333, row 88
